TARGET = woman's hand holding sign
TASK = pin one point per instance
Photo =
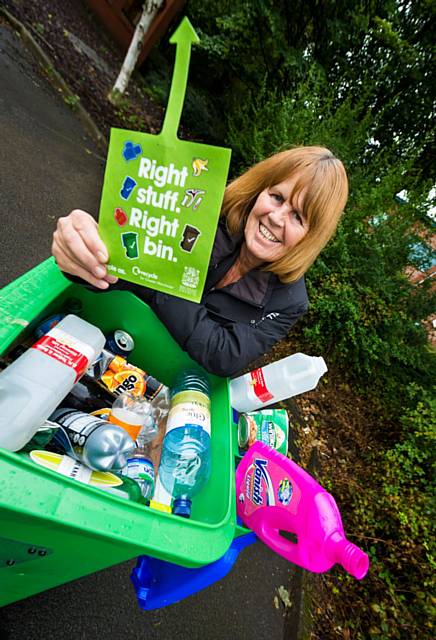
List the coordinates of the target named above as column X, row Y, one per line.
column 79, row 250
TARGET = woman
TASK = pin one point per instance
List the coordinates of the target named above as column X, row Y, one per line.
column 275, row 220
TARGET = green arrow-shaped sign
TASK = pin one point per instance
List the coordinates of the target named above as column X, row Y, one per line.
column 162, row 196
column 184, row 37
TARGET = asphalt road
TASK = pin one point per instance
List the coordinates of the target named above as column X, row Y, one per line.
column 47, row 167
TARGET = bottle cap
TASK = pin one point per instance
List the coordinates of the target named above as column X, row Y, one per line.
column 182, row 507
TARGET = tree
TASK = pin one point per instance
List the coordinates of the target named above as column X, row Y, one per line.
column 381, row 50
column 150, row 9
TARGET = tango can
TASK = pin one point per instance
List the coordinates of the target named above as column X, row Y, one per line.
column 120, row 376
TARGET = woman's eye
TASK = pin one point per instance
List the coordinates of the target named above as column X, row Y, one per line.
column 277, row 196
column 297, row 217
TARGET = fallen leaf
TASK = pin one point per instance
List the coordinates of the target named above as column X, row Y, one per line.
column 284, row 596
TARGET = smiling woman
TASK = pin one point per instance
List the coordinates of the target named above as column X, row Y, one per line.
column 275, row 220
column 310, row 184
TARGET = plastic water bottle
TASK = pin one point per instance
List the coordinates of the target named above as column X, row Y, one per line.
column 139, row 465
column 274, row 495
column 140, row 469
column 277, row 381
column 185, row 462
column 34, row 384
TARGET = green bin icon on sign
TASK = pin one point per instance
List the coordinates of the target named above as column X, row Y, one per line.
column 130, row 244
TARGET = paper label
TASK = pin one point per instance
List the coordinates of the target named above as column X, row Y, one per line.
column 74, row 469
column 75, row 429
column 266, row 484
column 259, row 387
column 64, row 348
column 192, row 410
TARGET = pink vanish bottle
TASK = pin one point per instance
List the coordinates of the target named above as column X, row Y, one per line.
column 274, row 494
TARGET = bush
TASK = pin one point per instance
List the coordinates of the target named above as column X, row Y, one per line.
column 392, row 511
column 364, row 310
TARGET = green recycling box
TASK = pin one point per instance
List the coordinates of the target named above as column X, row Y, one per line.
column 54, row 529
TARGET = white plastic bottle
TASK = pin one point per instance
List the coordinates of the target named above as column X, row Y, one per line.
column 33, row 386
column 276, row 381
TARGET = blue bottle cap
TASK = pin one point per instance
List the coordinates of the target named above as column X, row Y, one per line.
column 182, row 507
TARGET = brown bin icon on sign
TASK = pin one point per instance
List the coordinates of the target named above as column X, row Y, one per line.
column 189, row 238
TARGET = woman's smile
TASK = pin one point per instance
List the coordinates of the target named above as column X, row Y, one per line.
column 267, row 234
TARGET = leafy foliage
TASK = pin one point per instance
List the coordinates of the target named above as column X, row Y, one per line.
column 393, row 512
column 380, row 50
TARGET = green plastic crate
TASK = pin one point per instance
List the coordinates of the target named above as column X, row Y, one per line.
column 54, row 529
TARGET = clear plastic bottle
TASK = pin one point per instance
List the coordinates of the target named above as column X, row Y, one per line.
column 161, row 404
column 277, row 381
column 140, row 469
column 132, row 413
column 185, row 462
column 139, row 466
column 34, row 384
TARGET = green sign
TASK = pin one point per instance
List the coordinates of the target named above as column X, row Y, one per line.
column 162, row 197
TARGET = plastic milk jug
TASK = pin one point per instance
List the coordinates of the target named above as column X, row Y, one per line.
column 279, row 380
column 34, row 384
column 274, row 494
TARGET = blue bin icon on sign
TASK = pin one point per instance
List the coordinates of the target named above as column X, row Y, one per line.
column 128, row 185
column 131, row 151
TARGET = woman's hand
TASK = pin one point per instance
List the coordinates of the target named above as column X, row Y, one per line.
column 79, row 250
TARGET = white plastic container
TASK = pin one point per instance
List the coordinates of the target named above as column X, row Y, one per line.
column 276, row 381
column 32, row 387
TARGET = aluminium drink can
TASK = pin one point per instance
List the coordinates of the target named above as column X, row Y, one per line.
column 120, row 342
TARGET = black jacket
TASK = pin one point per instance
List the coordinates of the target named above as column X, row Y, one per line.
column 233, row 325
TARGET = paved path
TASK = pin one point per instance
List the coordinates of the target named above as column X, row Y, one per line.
column 48, row 167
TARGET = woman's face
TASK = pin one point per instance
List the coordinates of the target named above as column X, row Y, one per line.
column 275, row 225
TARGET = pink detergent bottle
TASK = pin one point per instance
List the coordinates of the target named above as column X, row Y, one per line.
column 274, row 494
